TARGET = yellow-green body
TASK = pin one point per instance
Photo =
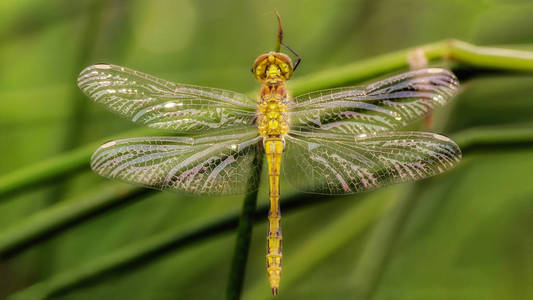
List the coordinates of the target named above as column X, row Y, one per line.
column 273, row 70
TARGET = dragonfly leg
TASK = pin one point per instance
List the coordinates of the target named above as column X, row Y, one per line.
column 254, row 120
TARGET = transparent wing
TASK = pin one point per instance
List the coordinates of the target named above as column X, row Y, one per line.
column 332, row 163
column 204, row 165
column 384, row 105
column 161, row 104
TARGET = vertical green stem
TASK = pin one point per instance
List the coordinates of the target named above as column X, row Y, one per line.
column 244, row 234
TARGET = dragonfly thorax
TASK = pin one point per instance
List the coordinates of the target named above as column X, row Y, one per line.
column 272, row 116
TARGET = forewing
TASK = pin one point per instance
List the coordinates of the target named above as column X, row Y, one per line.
column 222, row 164
column 161, row 104
column 385, row 105
column 343, row 164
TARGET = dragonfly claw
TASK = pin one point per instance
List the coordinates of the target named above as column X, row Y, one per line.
column 275, row 291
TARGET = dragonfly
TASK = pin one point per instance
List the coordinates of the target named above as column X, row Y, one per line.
column 334, row 141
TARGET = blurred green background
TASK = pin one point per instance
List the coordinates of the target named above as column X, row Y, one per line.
column 465, row 234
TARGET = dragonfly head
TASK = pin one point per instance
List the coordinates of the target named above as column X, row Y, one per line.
column 272, row 67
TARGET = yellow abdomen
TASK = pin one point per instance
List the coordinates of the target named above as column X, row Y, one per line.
column 274, row 150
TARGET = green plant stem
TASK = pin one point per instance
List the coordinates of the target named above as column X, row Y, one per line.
column 488, row 57
column 460, row 52
column 177, row 238
column 49, row 222
column 489, row 138
column 57, row 167
column 244, row 235
column 242, row 247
